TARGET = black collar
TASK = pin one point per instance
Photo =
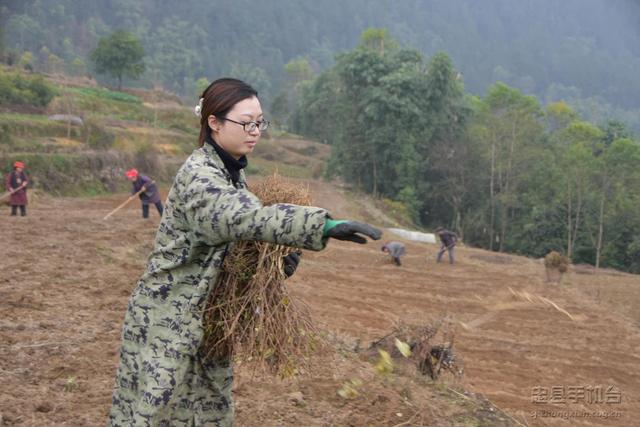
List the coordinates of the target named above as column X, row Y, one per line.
column 233, row 166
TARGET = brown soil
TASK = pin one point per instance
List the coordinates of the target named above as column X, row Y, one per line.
column 66, row 276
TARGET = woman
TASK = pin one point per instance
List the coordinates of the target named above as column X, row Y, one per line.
column 163, row 379
column 150, row 195
column 16, row 184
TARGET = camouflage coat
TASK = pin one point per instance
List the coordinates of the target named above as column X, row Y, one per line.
column 162, row 378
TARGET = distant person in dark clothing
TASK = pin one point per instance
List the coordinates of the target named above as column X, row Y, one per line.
column 396, row 250
column 449, row 240
column 149, row 195
column 16, row 183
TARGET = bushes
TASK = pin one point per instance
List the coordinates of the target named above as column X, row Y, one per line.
column 102, row 93
column 5, row 134
column 104, row 102
column 56, row 173
column 146, row 159
column 77, row 174
column 25, row 90
column 22, row 131
column 96, row 136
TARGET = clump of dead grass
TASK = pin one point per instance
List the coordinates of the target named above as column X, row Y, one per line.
column 429, row 347
column 555, row 265
column 250, row 315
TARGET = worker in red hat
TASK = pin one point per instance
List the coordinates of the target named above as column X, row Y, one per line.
column 150, row 195
column 16, row 184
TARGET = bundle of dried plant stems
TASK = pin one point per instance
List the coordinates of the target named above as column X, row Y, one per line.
column 250, row 315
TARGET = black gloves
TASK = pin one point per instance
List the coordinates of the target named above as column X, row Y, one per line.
column 291, row 262
column 346, row 230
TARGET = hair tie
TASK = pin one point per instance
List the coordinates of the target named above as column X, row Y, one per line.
column 198, row 108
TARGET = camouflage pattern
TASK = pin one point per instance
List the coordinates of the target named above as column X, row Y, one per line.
column 162, row 379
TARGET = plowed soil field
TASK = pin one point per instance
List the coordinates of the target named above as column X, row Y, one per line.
column 544, row 354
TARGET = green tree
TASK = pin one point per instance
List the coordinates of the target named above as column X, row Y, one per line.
column 574, row 155
column 201, row 84
column 379, row 125
column 376, row 39
column 298, row 75
column 559, row 115
column 26, row 61
column 119, row 55
column 370, row 107
column 385, row 112
column 173, row 58
column 298, row 70
column 25, row 30
column 512, row 123
column 319, row 108
column 614, row 129
column 78, row 67
column 617, row 178
column 447, row 151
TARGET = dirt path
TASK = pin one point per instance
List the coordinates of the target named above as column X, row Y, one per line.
column 66, row 276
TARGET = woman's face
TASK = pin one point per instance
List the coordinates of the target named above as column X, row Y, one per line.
column 230, row 136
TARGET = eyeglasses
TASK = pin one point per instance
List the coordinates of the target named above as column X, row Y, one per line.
column 250, row 126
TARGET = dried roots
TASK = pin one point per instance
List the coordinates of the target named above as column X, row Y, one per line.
column 250, row 316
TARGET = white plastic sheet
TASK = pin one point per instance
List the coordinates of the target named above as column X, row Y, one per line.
column 415, row 236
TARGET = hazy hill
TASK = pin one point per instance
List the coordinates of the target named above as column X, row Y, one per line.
column 584, row 51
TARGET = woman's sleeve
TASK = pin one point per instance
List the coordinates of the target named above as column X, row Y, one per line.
column 220, row 213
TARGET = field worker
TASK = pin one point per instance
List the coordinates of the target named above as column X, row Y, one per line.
column 396, row 250
column 449, row 240
column 163, row 378
column 149, row 195
column 16, row 184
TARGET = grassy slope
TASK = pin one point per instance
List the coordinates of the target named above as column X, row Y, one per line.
column 150, row 130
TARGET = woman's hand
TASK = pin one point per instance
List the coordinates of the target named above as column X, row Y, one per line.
column 291, row 262
column 350, row 230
